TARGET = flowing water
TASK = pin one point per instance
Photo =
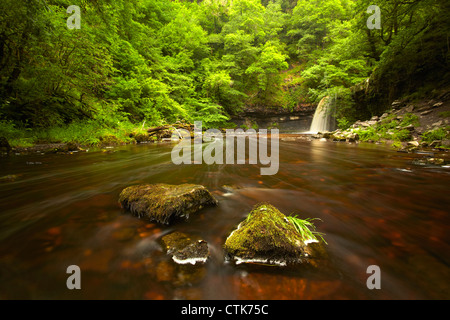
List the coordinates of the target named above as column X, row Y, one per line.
column 376, row 207
column 322, row 120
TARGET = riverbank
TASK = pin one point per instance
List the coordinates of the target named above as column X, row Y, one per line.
column 407, row 126
column 82, row 138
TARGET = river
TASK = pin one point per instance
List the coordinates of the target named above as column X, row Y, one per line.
column 376, row 205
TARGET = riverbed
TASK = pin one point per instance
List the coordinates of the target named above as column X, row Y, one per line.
column 376, row 206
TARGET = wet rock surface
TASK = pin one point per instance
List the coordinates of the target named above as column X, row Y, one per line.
column 395, row 128
column 268, row 237
column 51, row 148
column 164, row 203
column 185, row 249
column 10, row 178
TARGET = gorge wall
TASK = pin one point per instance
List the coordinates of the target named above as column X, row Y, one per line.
column 286, row 120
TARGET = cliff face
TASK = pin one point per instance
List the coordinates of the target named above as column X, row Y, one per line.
column 297, row 119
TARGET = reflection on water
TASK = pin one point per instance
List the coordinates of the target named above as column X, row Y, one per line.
column 377, row 208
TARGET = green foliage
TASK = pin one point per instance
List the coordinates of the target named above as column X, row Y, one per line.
column 390, row 129
column 17, row 137
column 410, row 119
column 211, row 114
column 436, row 134
column 396, row 145
column 343, row 123
column 163, row 61
column 306, row 229
column 369, row 134
column 402, row 135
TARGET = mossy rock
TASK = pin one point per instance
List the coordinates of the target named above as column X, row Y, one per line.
column 142, row 137
column 9, row 178
column 185, row 249
column 165, row 203
column 267, row 236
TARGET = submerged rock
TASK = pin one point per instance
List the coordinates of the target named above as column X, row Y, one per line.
column 185, row 249
column 267, row 236
column 165, row 203
column 9, row 178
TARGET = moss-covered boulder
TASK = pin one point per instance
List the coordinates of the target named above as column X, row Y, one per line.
column 165, row 203
column 185, row 249
column 268, row 236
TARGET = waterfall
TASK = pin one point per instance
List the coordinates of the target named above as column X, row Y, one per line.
column 323, row 120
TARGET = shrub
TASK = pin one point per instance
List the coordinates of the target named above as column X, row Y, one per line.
column 369, row 134
column 343, row 123
column 409, row 119
column 402, row 135
column 436, row 134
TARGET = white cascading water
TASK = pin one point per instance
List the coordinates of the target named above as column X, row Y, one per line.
column 322, row 118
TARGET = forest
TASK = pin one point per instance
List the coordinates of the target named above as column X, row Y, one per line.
column 132, row 64
column 134, row 152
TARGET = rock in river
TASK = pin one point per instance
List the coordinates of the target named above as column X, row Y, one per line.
column 165, row 203
column 268, row 236
column 185, row 249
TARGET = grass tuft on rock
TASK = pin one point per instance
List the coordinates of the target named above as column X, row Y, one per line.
column 306, row 229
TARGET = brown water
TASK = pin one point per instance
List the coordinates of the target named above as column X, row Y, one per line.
column 377, row 209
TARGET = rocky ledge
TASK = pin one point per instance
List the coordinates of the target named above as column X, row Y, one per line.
column 267, row 236
column 164, row 203
column 406, row 126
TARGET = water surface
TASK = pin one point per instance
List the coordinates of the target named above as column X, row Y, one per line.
column 376, row 207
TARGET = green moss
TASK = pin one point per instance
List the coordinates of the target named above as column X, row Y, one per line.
column 9, row 178
column 267, row 234
column 396, row 145
column 184, row 247
column 261, row 224
column 164, row 203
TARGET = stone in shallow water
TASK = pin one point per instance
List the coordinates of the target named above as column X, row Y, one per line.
column 165, row 203
column 267, row 236
column 185, row 249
